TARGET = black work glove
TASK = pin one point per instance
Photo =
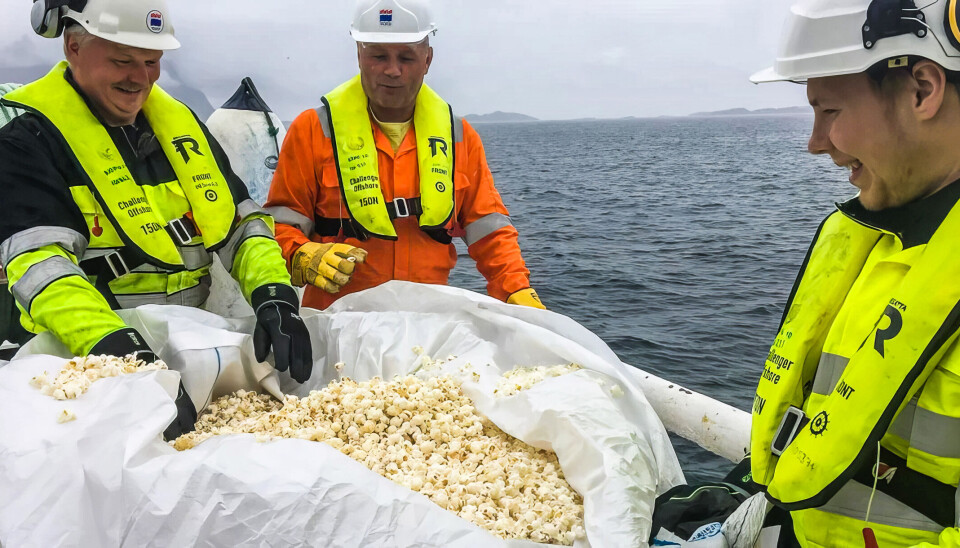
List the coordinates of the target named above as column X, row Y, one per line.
column 127, row 342
column 279, row 325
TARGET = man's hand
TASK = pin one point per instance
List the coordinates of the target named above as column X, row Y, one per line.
column 128, row 342
column 279, row 326
column 327, row 266
column 526, row 297
column 186, row 420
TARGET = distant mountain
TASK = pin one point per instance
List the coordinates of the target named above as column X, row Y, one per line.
column 23, row 75
column 498, row 116
column 758, row 112
column 193, row 98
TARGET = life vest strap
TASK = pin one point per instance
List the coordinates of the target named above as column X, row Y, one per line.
column 109, row 267
column 399, row 208
column 182, row 230
column 118, row 263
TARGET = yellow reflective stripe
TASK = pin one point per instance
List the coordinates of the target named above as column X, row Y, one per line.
column 38, row 237
column 485, row 226
column 829, row 371
column 290, row 217
column 40, row 275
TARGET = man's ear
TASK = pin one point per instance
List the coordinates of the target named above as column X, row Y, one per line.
column 931, row 86
column 70, row 46
column 429, row 58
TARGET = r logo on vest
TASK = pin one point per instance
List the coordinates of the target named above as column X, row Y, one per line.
column 438, row 143
column 186, row 144
column 891, row 331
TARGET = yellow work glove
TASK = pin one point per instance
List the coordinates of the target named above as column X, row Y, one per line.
column 327, row 266
column 526, row 297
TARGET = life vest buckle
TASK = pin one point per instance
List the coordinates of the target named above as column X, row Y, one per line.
column 179, row 232
column 397, row 202
column 116, row 263
column 793, row 420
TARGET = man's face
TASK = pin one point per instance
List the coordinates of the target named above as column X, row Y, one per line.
column 117, row 79
column 865, row 130
column 392, row 75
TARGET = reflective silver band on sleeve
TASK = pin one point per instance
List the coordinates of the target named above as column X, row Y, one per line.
column 851, row 501
column 41, row 275
column 324, row 121
column 902, row 426
column 249, row 229
column 829, row 371
column 37, row 237
column 457, row 129
column 195, row 257
column 290, row 217
column 926, row 431
column 192, row 296
column 248, row 207
column 485, row 226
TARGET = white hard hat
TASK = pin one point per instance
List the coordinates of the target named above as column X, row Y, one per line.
column 834, row 37
column 392, row 21
column 137, row 23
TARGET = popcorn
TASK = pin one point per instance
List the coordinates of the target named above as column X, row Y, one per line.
column 66, row 416
column 523, row 378
column 76, row 377
column 423, row 434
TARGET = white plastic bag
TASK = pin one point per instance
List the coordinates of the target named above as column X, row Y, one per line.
column 107, row 479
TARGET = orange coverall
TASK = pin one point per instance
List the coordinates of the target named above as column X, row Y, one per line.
column 306, row 183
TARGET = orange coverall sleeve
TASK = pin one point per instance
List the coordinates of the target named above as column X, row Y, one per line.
column 498, row 254
column 295, row 182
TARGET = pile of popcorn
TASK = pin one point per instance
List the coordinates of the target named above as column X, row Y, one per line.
column 522, row 378
column 423, row 434
column 76, row 377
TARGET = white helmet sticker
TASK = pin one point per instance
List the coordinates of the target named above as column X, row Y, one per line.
column 155, row 21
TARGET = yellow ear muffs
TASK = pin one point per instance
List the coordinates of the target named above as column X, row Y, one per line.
column 951, row 23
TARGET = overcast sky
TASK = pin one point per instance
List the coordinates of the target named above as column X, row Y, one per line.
column 552, row 60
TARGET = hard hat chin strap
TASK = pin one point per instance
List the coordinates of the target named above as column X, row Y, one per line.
column 886, row 18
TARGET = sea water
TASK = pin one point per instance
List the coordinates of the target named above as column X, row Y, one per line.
column 677, row 241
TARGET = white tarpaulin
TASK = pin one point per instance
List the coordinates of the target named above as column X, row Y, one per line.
column 107, row 478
